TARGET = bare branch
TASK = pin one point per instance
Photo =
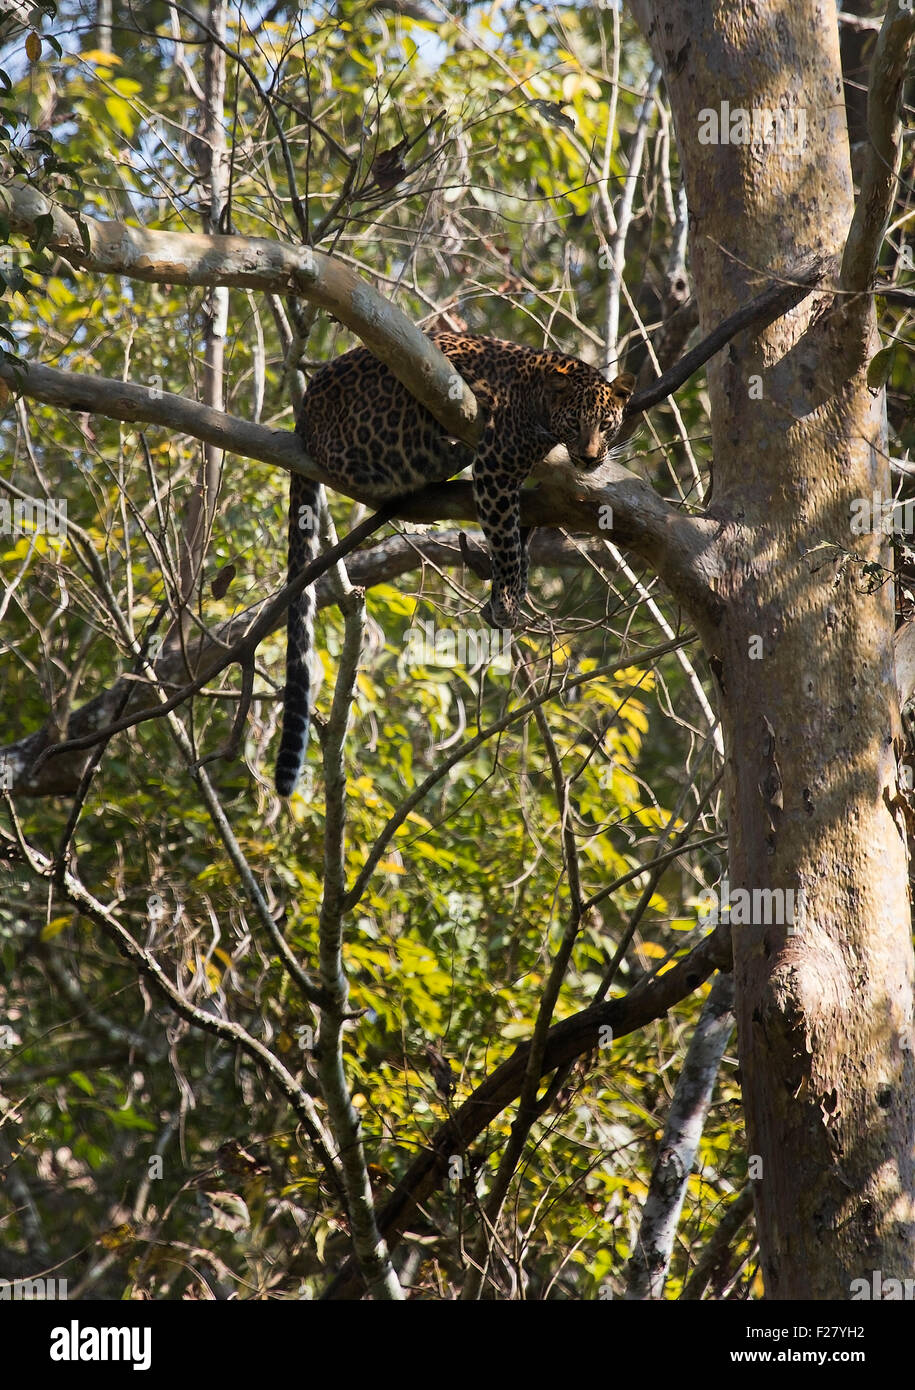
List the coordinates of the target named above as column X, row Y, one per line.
column 206, row 656
column 775, row 300
column 617, row 246
column 884, row 152
column 249, row 882
column 73, row 890
column 859, row 22
column 267, row 619
column 124, row 400
column 647, row 1269
column 529, row 1110
column 370, row 1249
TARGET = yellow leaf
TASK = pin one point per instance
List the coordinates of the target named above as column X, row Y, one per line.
column 54, row 928
column 122, row 115
column 576, row 82
column 20, row 550
column 653, row 950
column 58, row 292
column 118, row 1237
column 515, row 1030
column 98, row 55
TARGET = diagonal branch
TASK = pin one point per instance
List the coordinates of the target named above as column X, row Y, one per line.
column 390, row 558
column 255, row 263
column 265, row 622
column 649, row 1263
column 776, row 299
column 573, row 1037
column 529, row 1107
column 884, row 150
column 368, row 1245
column 148, row 405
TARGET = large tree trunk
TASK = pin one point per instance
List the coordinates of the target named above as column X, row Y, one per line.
column 804, row 655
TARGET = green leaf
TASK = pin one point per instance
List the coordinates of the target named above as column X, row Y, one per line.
column 880, row 367
column 129, row 1119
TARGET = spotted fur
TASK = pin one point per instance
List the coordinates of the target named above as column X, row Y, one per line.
column 375, row 441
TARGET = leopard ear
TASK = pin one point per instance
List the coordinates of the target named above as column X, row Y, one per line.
column 624, row 385
column 559, row 386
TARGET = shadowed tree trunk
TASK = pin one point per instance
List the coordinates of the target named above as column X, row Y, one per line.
column 803, row 651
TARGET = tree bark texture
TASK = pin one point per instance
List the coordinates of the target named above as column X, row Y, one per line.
column 803, row 652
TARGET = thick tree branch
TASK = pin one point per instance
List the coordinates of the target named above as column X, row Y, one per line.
column 254, row 263
column 147, row 405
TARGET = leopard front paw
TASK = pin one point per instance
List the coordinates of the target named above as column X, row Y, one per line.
column 498, row 615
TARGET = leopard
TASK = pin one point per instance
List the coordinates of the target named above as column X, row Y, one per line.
column 374, row 441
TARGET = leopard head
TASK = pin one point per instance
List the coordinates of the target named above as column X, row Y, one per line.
column 584, row 412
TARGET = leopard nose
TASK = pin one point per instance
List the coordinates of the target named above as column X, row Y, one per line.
column 590, row 447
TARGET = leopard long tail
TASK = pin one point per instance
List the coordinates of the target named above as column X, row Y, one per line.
column 304, row 503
